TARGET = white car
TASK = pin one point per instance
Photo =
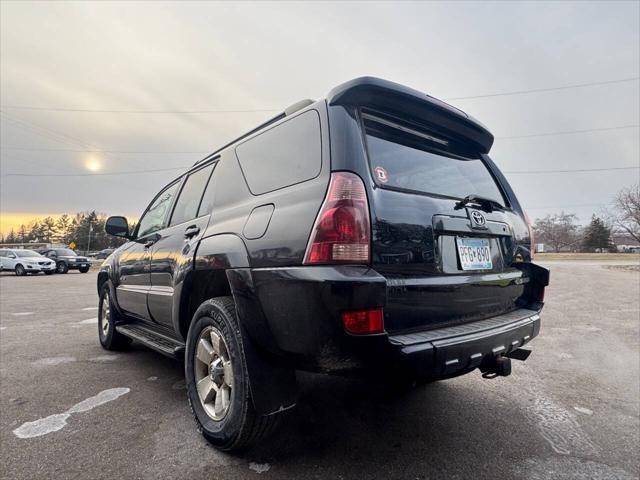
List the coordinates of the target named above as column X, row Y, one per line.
column 25, row 261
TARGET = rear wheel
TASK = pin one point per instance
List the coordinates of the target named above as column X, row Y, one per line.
column 217, row 379
column 62, row 267
column 20, row 271
column 110, row 339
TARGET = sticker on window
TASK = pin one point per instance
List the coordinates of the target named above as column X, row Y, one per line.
column 381, row 174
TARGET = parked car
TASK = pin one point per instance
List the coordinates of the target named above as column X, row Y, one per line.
column 23, row 262
column 66, row 259
column 102, row 254
column 366, row 233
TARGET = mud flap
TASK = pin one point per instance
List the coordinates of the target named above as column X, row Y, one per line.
column 273, row 385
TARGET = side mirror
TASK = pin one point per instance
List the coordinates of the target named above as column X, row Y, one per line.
column 118, row 227
column 11, row 255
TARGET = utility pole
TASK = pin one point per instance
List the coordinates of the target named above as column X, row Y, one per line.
column 89, row 239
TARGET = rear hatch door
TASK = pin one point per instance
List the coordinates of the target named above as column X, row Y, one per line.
column 443, row 232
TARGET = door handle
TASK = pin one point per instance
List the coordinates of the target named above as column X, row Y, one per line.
column 191, row 231
column 152, row 239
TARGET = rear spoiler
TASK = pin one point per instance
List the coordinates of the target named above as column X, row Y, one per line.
column 395, row 98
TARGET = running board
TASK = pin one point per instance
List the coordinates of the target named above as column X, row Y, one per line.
column 152, row 339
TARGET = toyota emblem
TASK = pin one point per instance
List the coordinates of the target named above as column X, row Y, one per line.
column 478, row 218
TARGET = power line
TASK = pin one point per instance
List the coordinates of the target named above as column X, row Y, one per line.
column 577, row 205
column 568, row 132
column 192, row 152
column 46, row 132
column 204, row 152
column 185, row 167
column 579, row 170
column 549, row 89
column 257, row 110
column 130, row 172
column 177, row 112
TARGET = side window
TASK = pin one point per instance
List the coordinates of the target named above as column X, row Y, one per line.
column 189, row 200
column 3, row 253
column 155, row 216
column 284, row 155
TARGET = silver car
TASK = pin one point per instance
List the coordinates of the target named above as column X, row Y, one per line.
column 26, row 261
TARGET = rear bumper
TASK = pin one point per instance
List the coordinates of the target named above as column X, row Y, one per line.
column 449, row 351
column 295, row 313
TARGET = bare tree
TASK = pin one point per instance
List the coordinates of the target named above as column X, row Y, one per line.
column 627, row 211
column 559, row 230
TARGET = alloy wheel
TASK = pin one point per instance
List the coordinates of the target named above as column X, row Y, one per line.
column 214, row 373
column 106, row 314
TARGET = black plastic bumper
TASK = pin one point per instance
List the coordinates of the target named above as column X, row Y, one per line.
column 294, row 313
column 448, row 351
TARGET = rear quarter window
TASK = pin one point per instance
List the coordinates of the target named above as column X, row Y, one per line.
column 284, row 155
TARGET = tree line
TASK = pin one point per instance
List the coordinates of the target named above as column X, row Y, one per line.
column 561, row 231
column 85, row 229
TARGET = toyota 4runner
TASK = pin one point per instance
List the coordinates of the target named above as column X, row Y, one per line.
column 365, row 232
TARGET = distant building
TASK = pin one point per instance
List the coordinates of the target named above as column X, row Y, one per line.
column 625, row 242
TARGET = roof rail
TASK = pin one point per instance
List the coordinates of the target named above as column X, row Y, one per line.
column 286, row 112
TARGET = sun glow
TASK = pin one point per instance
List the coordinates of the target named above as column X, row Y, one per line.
column 93, row 164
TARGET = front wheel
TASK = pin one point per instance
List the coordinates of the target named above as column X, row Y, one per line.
column 62, row 267
column 84, row 269
column 20, row 271
column 217, row 379
column 110, row 339
column 49, row 272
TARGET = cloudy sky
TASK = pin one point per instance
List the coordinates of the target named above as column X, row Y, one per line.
column 99, row 88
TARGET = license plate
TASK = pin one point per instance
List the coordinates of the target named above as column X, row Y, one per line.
column 474, row 253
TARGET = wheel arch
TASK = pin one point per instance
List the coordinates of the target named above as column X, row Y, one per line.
column 207, row 279
column 103, row 277
column 221, row 268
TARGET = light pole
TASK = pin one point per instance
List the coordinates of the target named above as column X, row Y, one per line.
column 89, row 239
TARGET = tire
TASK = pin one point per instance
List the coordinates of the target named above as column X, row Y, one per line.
column 109, row 338
column 238, row 425
column 84, row 269
column 20, row 271
column 49, row 272
column 62, row 267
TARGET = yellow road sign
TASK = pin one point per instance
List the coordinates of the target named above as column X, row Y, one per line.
column 72, row 245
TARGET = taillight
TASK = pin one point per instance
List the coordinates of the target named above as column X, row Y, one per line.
column 532, row 245
column 362, row 322
column 342, row 231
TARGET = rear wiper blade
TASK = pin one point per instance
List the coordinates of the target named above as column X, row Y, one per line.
column 485, row 203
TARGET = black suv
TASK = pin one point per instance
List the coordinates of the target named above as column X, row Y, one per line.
column 66, row 259
column 365, row 233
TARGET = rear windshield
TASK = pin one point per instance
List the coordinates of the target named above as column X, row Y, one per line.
column 408, row 159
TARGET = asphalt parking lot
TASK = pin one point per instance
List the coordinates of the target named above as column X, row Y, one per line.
column 572, row 411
